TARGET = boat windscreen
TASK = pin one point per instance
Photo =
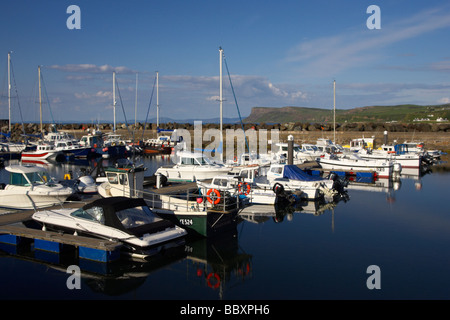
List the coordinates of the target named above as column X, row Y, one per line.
column 136, row 216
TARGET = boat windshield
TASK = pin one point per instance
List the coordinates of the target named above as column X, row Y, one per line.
column 137, row 216
column 41, row 177
column 203, row 160
column 93, row 214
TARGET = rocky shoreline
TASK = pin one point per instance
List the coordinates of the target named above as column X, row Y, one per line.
column 435, row 135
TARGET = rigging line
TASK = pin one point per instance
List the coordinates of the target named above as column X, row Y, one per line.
column 46, row 95
column 121, row 103
column 148, row 109
column 237, row 106
column 17, row 93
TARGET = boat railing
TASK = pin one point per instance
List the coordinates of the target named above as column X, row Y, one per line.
column 189, row 200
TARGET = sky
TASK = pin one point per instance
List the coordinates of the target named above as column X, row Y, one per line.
column 276, row 53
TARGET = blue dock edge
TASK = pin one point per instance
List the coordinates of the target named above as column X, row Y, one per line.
column 99, row 255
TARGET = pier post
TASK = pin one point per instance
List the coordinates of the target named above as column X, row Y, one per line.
column 290, row 159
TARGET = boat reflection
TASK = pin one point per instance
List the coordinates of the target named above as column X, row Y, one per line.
column 282, row 210
column 218, row 263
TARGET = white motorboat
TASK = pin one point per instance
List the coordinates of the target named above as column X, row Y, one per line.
column 291, row 177
column 128, row 220
column 398, row 153
column 192, row 166
column 31, row 187
column 237, row 184
column 384, row 168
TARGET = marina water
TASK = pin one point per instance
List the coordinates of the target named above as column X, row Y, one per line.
column 328, row 252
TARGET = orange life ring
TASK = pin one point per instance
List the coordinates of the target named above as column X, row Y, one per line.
column 235, row 159
column 217, row 281
column 245, row 190
column 217, row 196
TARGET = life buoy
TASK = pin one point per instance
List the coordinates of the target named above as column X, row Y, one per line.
column 245, row 190
column 235, row 159
column 216, row 192
column 217, row 281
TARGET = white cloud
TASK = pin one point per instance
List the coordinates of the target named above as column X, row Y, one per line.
column 91, row 68
column 329, row 55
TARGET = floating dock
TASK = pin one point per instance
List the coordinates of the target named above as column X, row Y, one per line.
column 14, row 232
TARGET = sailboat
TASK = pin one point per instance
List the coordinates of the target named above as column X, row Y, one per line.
column 9, row 146
column 162, row 144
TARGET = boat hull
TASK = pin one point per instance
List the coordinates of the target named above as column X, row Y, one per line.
column 382, row 171
column 23, row 201
column 204, row 223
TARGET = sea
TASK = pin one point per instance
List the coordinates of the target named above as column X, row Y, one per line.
column 387, row 240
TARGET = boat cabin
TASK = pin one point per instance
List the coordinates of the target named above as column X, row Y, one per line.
column 123, row 181
column 27, row 175
column 192, row 158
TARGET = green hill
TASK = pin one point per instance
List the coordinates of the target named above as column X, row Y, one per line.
column 399, row 113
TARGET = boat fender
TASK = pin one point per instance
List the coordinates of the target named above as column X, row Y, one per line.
column 217, row 194
column 245, row 190
column 216, row 282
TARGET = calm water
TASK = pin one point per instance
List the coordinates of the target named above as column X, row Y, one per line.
column 404, row 230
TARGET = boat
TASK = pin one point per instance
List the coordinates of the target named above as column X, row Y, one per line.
column 67, row 144
column 124, row 180
column 328, row 147
column 159, row 145
column 31, row 187
column 252, row 192
column 201, row 215
column 360, row 143
column 7, row 145
column 190, row 211
column 127, row 220
column 191, row 166
column 291, row 177
column 42, row 151
column 351, row 163
column 300, row 155
column 398, row 153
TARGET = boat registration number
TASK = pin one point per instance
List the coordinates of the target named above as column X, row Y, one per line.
column 186, row 222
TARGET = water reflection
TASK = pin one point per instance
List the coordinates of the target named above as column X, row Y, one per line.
column 214, row 268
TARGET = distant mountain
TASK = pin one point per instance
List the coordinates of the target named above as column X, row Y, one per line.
column 399, row 113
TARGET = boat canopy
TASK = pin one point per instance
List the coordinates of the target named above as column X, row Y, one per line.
column 295, row 173
column 131, row 215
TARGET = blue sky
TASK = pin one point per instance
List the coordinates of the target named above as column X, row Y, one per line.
column 279, row 53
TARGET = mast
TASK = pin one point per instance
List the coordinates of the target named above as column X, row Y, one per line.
column 114, row 100
column 334, row 111
column 40, row 96
column 135, row 102
column 9, row 89
column 221, row 100
column 157, row 102
column 220, row 87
